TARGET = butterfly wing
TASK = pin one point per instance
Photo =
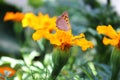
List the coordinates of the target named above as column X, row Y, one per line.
column 63, row 22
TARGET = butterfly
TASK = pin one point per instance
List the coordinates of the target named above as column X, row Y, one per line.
column 63, row 22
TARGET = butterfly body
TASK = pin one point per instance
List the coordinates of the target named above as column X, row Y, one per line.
column 63, row 22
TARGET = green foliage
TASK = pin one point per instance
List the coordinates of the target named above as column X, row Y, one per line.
column 33, row 59
column 36, row 3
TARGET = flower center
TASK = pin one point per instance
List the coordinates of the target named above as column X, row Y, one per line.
column 65, row 46
column 118, row 46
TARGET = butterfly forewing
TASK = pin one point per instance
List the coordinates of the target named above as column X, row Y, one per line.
column 63, row 22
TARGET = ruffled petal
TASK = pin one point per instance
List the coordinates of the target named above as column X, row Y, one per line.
column 112, row 42
column 38, row 35
column 83, row 43
column 107, row 30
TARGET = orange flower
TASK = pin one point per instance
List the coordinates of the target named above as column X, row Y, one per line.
column 18, row 16
column 7, row 71
column 113, row 37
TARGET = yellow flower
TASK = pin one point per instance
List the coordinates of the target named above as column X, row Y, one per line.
column 64, row 39
column 61, row 38
column 41, row 21
column 113, row 37
column 45, row 27
column 42, row 24
column 18, row 16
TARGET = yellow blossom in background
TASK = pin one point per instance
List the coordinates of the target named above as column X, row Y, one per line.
column 113, row 37
column 39, row 22
column 18, row 16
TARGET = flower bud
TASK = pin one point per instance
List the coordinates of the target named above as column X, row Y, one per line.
column 60, row 58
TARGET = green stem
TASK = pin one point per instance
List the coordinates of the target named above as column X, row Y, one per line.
column 115, row 73
column 87, row 73
column 73, row 58
column 115, row 63
column 55, row 72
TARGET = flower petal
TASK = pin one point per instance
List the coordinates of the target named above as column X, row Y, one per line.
column 18, row 16
column 83, row 43
column 112, row 42
column 107, row 30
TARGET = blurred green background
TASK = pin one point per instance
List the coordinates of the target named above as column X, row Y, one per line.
column 84, row 15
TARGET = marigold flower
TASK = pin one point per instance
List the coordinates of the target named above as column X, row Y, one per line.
column 18, row 16
column 7, row 71
column 41, row 21
column 45, row 27
column 64, row 39
column 58, row 37
column 113, row 37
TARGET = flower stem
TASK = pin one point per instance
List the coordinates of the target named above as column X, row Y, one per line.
column 115, row 63
column 55, row 72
